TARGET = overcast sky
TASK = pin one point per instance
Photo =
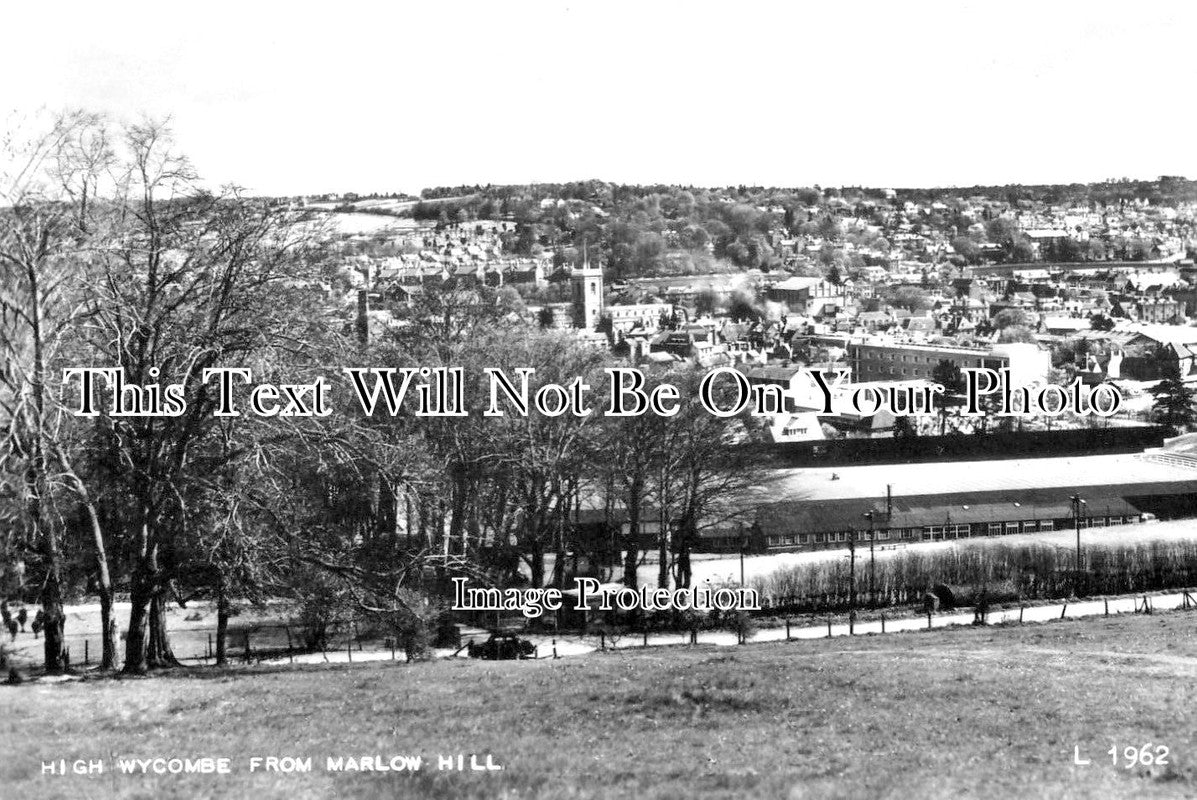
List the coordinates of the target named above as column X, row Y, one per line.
column 288, row 98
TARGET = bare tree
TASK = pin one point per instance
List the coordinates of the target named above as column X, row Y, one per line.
column 43, row 254
column 630, row 454
column 709, row 469
column 189, row 281
column 544, row 457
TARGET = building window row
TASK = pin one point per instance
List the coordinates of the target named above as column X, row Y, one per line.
column 941, row 532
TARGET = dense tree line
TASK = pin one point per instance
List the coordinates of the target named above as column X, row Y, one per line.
column 647, row 230
column 1164, row 190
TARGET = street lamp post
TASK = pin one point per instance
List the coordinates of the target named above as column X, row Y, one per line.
column 1077, row 503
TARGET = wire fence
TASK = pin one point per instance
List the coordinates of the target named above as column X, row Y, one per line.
column 835, row 625
column 280, row 644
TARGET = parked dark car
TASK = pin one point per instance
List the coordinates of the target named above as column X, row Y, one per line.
column 502, row 647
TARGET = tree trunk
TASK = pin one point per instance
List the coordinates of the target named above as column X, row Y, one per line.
column 36, row 475
column 663, row 566
column 222, row 626
column 632, row 554
column 53, row 619
column 663, row 546
column 684, row 574
column 135, row 637
column 141, row 592
column 459, row 502
column 631, row 559
column 103, row 577
column 158, row 650
column 684, row 542
column 560, row 512
column 50, row 596
column 387, row 521
column 536, row 563
column 558, row 577
column 108, row 628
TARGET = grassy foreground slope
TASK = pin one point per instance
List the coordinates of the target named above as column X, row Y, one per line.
column 949, row 713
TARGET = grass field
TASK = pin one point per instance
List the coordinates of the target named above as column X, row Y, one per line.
column 974, row 712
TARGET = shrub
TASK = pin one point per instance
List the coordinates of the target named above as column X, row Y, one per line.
column 322, row 604
column 412, row 621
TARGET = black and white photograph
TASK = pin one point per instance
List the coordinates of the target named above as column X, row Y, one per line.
column 582, row 399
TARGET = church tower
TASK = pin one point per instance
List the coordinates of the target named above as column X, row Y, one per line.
column 587, row 282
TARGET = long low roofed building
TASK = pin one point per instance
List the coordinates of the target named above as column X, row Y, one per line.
column 799, row 509
column 938, row 517
column 811, row 508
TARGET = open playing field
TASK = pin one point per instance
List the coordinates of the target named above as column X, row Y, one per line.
column 972, row 712
column 1063, row 472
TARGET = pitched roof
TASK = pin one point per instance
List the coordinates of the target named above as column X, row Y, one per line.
column 1174, row 335
column 807, row 516
column 797, row 284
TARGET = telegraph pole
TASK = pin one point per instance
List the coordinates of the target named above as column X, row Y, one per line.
column 851, row 579
column 872, row 561
column 1077, row 503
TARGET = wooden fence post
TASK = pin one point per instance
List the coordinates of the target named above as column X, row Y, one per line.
column 86, row 654
column 554, row 648
column 1063, row 611
column 602, row 640
column 349, row 650
column 1020, row 610
column 787, row 629
column 829, row 627
column 1107, row 606
column 883, row 623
